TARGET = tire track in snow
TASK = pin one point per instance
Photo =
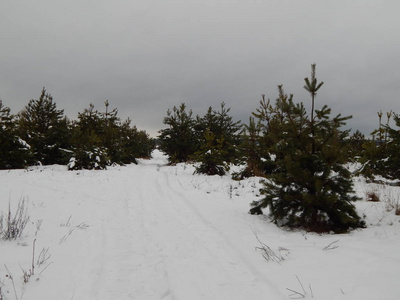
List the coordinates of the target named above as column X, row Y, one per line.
column 193, row 242
column 129, row 263
column 188, row 207
column 114, row 243
column 155, row 245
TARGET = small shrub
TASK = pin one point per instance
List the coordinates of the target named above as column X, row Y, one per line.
column 98, row 159
column 269, row 254
column 372, row 196
column 397, row 211
column 12, row 226
column 26, row 275
column 392, row 201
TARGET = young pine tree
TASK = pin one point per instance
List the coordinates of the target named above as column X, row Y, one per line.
column 224, row 129
column 308, row 186
column 210, row 156
column 179, row 140
column 14, row 152
column 252, row 150
column 88, row 141
column 266, row 120
column 312, row 86
column 134, row 143
column 45, row 129
column 381, row 155
column 392, row 164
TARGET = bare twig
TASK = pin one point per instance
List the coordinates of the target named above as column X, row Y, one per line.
column 2, row 296
column 12, row 281
column 301, row 285
column 33, row 257
column 64, row 238
column 38, row 225
column 68, row 223
column 82, row 225
column 331, row 246
column 43, row 256
column 299, row 295
column 267, row 252
column 45, row 268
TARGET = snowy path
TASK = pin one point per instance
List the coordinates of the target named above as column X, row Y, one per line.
column 146, row 239
column 154, row 232
column 155, row 245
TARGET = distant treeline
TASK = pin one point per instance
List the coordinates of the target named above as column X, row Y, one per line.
column 41, row 134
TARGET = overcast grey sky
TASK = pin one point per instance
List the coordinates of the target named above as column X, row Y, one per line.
column 147, row 56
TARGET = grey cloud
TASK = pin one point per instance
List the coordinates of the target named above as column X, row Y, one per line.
column 147, row 56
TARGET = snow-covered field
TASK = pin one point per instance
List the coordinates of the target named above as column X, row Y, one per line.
column 151, row 231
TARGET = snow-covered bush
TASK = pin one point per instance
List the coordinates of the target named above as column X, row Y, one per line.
column 97, row 159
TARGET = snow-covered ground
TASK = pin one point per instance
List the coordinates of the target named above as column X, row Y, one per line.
column 151, row 231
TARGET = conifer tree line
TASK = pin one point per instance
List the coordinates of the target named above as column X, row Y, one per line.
column 213, row 140
column 216, row 141
column 302, row 155
column 41, row 134
column 380, row 155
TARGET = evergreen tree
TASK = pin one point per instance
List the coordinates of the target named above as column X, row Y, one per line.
column 392, row 163
column 134, row 143
column 101, row 139
column 223, row 128
column 179, row 140
column 45, row 129
column 312, row 86
column 266, row 115
column 88, row 141
column 251, row 149
column 14, row 152
column 110, row 135
column 211, row 156
column 381, row 155
column 308, row 186
column 354, row 145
